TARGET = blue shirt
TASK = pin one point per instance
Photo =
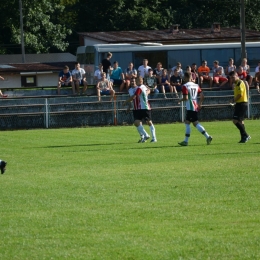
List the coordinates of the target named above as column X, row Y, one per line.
column 116, row 73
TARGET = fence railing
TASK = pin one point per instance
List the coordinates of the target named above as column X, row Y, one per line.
column 82, row 111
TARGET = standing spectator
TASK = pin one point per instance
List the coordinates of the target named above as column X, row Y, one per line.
column 143, row 69
column 98, row 73
column 204, row 71
column 246, row 68
column 176, row 80
column 240, row 101
column 107, row 64
column 218, row 74
column 141, row 104
column 104, row 88
column 79, row 78
column 190, row 92
column 158, row 72
column 151, row 83
column 1, row 94
column 231, row 67
column 117, row 76
column 65, row 79
column 179, row 69
column 195, row 71
column 130, row 72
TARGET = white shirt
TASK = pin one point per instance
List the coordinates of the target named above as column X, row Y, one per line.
column 257, row 69
column 98, row 74
column 143, row 70
column 78, row 74
column 180, row 71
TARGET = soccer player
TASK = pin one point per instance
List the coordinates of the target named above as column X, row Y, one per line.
column 142, row 109
column 240, row 100
column 2, row 166
column 190, row 92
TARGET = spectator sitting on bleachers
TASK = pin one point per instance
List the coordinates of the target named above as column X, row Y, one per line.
column 257, row 69
column 231, row 67
column 203, row 72
column 130, row 72
column 193, row 75
column 165, row 85
column 158, row 72
column 97, row 73
column 1, row 94
column 179, row 70
column 117, row 76
column 242, row 75
column 104, row 88
column 65, row 79
column 176, row 80
column 195, row 71
column 246, row 68
column 79, row 78
column 151, row 83
column 143, row 69
column 218, row 74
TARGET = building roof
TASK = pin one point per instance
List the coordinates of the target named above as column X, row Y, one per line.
column 171, row 36
column 42, row 57
column 35, row 67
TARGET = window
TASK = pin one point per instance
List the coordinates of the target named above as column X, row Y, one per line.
column 28, row 81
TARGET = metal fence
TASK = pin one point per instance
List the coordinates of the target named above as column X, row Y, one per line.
column 82, row 111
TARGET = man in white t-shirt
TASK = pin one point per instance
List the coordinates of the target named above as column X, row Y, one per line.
column 142, row 110
column 79, row 78
column 143, row 69
column 98, row 73
column 257, row 69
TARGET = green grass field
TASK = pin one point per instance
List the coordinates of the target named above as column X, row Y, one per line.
column 95, row 193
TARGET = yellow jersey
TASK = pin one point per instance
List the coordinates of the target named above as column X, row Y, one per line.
column 240, row 88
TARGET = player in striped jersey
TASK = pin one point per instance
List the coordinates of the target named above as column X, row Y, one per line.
column 142, row 109
column 190, row 93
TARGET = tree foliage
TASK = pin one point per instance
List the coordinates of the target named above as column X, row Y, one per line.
column 50, row 24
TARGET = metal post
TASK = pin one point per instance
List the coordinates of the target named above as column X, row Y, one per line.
column 243, row 29
column 21, row 28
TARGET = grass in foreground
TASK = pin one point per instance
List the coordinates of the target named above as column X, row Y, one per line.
column 95, row 193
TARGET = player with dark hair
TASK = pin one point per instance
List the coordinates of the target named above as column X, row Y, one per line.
column 190, row 92
column 2, row 166
column 240, row 101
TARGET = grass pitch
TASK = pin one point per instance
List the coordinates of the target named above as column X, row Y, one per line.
column 95, row 193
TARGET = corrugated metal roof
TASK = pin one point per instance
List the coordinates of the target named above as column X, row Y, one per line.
column 43, row 57
column 172, row 36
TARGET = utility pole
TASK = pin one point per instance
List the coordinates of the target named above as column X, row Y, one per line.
column 243, row 29
column 21, row 28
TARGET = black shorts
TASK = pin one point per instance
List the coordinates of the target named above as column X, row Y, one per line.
column 240, row 111
column 191, row 116
column 142, row 114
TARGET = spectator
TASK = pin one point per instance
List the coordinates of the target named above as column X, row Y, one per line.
column 195, row 71
column 143, row 111
column 179, row 69
column 246, row 68
column 190, row 92
column 193, row 75
column 151, row 83
column 98, row 73
column 1, row 94
column 176, row 80
column 165, row 84
column 218, row 74
column 79, row 78
column 143, row 69
column 257, row 69
column 107, row 64
column 117, row 76
column 65, row 79
column 204, row 71
column 130, row 72
column 158, row 72
column 104, row 88
column 257, row 77
column 242, row 75
column 231, row 67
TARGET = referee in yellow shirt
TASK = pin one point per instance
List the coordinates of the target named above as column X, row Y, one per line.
column 240, row 100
